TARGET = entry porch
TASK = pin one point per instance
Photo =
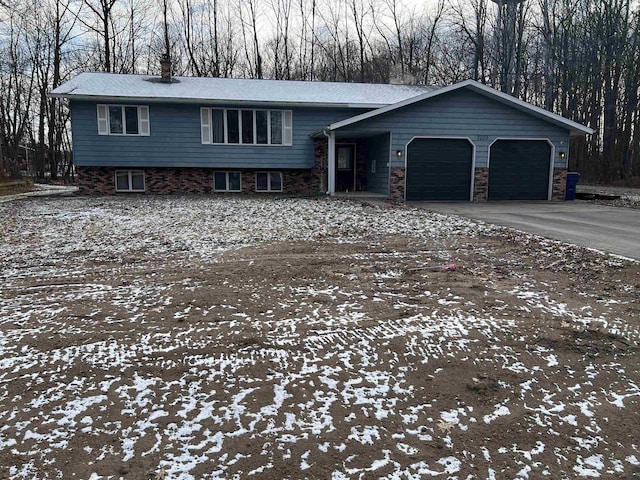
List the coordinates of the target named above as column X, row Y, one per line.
column 358, row 165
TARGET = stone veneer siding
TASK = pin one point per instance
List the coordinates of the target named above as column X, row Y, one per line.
column 396, row 189
column 559, row 186
column 164, row 181
column 481, row 185
column 319, row 170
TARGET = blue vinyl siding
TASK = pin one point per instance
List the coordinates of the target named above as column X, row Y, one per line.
column 175, row 135
column 378, row 152
column 175, row 140
column 462, row 113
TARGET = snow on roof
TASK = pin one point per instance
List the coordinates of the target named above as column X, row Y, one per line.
column 235, row 90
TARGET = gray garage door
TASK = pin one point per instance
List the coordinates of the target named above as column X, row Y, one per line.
column 439, row 169
column 519, row 170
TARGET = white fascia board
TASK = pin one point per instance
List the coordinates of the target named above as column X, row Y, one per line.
column 211, row 101
column 574, row 127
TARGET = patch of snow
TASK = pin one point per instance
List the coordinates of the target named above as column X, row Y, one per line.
column 500, row 411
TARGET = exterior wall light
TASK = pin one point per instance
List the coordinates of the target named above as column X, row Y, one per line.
column 562, row 154
column 398, row 153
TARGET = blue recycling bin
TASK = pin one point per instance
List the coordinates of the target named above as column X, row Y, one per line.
column 572, row 184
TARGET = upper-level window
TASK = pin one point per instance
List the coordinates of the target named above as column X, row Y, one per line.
column 246, row 127
column 123, row 120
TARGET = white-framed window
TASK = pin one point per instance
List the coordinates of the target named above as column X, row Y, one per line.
column 268, row 181
column 234, row 126
column 129, row 180
column 227, row 182
column 128, row 120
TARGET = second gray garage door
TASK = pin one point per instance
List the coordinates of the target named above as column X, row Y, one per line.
column 519, row 170
column 439, row 169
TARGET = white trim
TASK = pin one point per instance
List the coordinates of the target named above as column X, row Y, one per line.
column 269, row 173
column 144, row 124
column 435, row 137
column 287, row 127
column 103, row 119
column 226, row 179
column 574, row 127
column 331, row 162
column 389, row 160
column 129, row 175
column 240, row 132
column 224, row 126
column 255, row 130
column 206, row 126
column 552, row 160
column 106, row 121
column 252, row 103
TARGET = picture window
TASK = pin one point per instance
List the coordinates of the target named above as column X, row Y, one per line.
column 246, row 127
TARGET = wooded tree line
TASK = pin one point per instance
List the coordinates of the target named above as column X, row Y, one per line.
column 577, row 58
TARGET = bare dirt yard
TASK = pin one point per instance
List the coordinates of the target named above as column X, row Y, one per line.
column 200, row 338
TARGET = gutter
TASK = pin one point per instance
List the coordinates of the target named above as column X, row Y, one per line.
column 210, row 101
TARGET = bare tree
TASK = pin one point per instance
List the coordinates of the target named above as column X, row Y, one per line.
column 248, row 13
column 103, row 27
column 307, row 41
column 16, row 92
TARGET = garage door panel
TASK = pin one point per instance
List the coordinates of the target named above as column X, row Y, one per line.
column 439, row 169
column 519, row 170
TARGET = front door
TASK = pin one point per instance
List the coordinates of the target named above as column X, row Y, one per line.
column 345, row 168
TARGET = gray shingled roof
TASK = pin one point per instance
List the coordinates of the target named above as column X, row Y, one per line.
column 234, row 90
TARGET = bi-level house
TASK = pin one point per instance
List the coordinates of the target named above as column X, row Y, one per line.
column 164, row 134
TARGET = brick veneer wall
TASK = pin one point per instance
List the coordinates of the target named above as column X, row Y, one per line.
column 163, row 181
column 396, row 189
column 95, row 180
column 480, row 184
column 559, row 183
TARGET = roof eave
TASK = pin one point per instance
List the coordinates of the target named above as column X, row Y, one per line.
column 121, row 98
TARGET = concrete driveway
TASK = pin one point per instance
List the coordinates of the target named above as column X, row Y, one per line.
column 611, row 229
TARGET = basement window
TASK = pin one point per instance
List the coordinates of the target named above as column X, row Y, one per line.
column 130, row 181
column 268, row 181
column 226, row 182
